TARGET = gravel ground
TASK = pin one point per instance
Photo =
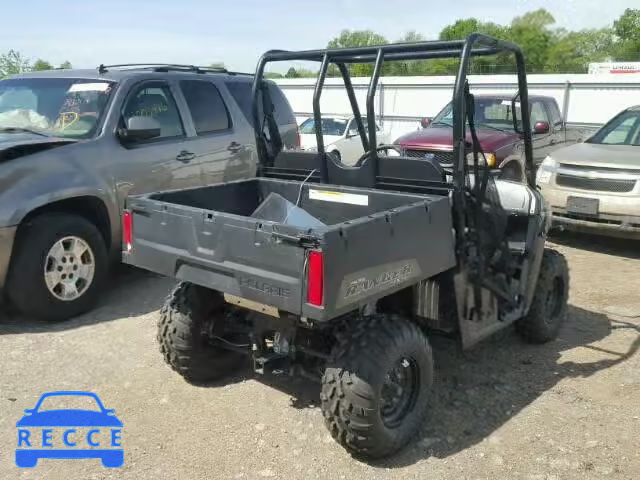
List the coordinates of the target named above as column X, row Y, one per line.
column 504, row 410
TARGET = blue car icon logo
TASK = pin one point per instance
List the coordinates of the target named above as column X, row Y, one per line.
column 69, row 433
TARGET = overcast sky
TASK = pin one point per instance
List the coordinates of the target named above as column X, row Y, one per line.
column 236, row 32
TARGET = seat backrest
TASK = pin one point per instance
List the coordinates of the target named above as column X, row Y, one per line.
column 393, row 172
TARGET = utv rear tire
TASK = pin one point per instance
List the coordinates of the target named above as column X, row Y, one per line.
column 549, row 306
column 365, row 363
column 185, row 319
column 28, row 287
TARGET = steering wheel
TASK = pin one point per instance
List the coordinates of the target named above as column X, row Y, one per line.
column 379, row 148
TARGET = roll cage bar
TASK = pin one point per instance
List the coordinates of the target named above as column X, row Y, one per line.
column 475, row 45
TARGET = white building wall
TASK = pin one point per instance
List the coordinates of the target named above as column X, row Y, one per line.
column 402, row 101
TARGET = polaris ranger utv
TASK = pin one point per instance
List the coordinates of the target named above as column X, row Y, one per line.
column 341, row 272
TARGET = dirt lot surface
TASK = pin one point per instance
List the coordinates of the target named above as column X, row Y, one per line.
column 505, row 410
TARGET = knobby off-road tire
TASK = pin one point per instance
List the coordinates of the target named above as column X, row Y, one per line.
column 549, row 306
column 184, row 327
column 48, row 248
column 373, row 356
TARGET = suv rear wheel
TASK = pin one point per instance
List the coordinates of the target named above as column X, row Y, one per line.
column 58, row 266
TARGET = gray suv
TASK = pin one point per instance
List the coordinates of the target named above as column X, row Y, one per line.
column 75, row 143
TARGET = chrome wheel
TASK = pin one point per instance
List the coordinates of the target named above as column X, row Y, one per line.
column 69, row 268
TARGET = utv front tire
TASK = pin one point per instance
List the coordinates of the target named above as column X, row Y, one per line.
column 548, row 309
column 376, row 385
column 186, row 321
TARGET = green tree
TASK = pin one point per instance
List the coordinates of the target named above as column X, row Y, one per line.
column 532, row 32
column 410, row 67
column 12, row 63
column 357, row 38
column 627, row 31
column 462, row 29
column 41, row 64
column 66, row 65
column 573, row 51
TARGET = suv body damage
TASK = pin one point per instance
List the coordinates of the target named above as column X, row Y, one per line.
column 14, row 146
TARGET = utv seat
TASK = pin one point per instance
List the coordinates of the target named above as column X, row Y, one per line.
column 393, row 172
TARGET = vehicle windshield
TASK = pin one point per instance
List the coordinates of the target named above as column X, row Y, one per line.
column 624, row 129
column 492, row 113
column 330, row 126
column 65, row 402
column 61, row 107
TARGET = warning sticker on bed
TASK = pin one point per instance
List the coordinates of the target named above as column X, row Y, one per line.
column 338, row 197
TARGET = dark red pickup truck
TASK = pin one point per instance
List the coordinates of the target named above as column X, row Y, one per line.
column 500, row 142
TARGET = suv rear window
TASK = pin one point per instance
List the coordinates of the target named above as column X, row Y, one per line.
column 241, row 92
column 208, row 110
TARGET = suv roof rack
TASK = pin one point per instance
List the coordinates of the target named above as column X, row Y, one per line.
column 167, row 67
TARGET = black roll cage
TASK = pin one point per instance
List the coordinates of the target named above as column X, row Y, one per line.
column 475, row 45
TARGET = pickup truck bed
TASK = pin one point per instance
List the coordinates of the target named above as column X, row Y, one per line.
column 373, row 243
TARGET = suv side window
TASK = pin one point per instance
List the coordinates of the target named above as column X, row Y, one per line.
column 208, row 110
column 241, row 93
column 556, row 117
column 353, row 126
column 155, row 100
column 282, row 110
column 538, row 113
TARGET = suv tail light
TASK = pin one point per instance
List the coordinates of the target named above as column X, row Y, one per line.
column 127, row 231
column 315, row 278
column 298, row 139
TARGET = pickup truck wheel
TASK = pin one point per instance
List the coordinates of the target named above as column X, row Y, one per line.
column 549, row 306
column 189, row 315
column 376, row 385
column 58, row 268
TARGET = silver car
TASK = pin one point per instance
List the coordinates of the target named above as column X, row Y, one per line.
column 595, row 186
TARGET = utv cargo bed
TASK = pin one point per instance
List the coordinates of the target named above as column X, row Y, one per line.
column 373, row 242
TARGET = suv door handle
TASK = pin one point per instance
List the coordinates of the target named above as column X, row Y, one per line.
column 185, row 157
column 234, row 147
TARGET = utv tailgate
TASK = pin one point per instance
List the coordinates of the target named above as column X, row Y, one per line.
column 239, row 255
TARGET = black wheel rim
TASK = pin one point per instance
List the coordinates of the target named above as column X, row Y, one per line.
column 555, row 295
column 399, row 391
